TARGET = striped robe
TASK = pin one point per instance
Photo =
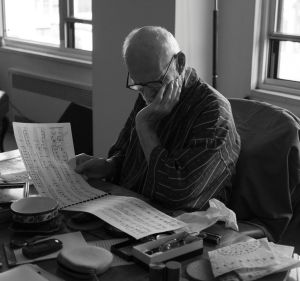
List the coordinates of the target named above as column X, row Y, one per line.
column 197, row 156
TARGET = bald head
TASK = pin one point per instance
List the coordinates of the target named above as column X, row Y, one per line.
column 147, row 50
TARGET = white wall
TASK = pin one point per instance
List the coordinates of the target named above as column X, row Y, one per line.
column 193, row 30
column 236, row 32
column 112, row 21
column 235, row 41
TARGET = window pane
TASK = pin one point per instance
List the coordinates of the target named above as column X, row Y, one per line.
column 289, row 15
column 289, row 61
column 33, row 20
column 83, row 9
column 83, row 36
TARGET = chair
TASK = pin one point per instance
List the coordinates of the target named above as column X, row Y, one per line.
column 266, row 186
column 4, row 107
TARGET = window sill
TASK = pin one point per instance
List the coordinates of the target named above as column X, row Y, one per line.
column 60, row 56
column 288, row 101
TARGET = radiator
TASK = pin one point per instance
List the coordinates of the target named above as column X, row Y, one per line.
column 42, row 98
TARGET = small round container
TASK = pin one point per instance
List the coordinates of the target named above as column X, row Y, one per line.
column 33, row 210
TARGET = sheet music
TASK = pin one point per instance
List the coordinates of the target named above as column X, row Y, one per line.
column 285, row 262
column 251, row 260
column 249, row 254
column 129, row 214
column 45, row 149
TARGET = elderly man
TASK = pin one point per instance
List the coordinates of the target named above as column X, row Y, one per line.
column 179, row 145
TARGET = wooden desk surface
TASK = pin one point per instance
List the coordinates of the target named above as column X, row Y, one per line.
column 131, row 272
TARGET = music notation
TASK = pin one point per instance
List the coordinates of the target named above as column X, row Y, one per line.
column 46, row 148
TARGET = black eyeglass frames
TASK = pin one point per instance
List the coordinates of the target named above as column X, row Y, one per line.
column 151, row 84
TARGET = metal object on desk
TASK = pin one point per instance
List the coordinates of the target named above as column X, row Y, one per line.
column 157, row 271
column 11, row 185
column 26, row 189
column 173, row 270
column 210, row 237
column 19, row 243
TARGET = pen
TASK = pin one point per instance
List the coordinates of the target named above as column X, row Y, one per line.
column 173, row 243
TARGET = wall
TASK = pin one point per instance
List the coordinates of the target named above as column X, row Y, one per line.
column 193, row 30
column 238, row 37
column 235, row 41
column 112, row 21
column 36, row 107
column 236, row 28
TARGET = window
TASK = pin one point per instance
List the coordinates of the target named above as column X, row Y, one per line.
column 57, row 25
column 279, row 60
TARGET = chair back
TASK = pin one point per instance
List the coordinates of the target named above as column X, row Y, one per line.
column 267, row 181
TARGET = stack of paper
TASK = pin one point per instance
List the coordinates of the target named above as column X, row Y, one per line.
column 12, row 168
column 252, row 259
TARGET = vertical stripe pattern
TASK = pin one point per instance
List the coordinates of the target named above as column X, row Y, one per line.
column 198, row 152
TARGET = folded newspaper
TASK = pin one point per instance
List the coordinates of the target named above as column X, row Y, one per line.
column 252, row 259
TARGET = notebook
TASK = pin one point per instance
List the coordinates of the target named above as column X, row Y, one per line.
column 46, row 149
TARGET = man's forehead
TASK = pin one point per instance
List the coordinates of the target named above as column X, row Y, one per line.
column 146, row 64
column 144, row 68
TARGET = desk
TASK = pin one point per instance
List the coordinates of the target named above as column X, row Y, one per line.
column 132, row 272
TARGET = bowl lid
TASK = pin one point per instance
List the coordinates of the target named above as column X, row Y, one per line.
column 33, row 205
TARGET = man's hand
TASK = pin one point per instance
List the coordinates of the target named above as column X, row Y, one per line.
column 92, row 167
column 165, row 100
column 145, row 121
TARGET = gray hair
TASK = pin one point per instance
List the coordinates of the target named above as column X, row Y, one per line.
column 160, row 34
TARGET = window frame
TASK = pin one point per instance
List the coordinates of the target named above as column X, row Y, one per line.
column 65, row 51
column 268, row 32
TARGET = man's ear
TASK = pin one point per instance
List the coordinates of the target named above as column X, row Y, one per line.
column 180, row 62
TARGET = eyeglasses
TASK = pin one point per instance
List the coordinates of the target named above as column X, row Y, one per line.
column 155, row 85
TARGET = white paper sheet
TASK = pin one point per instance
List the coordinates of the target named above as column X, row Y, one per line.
column 249, row 254
column 251, row 260
column 285, row 262
column 129, row 214
column 12, row 168
column 46, row 148
column 200, row 220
